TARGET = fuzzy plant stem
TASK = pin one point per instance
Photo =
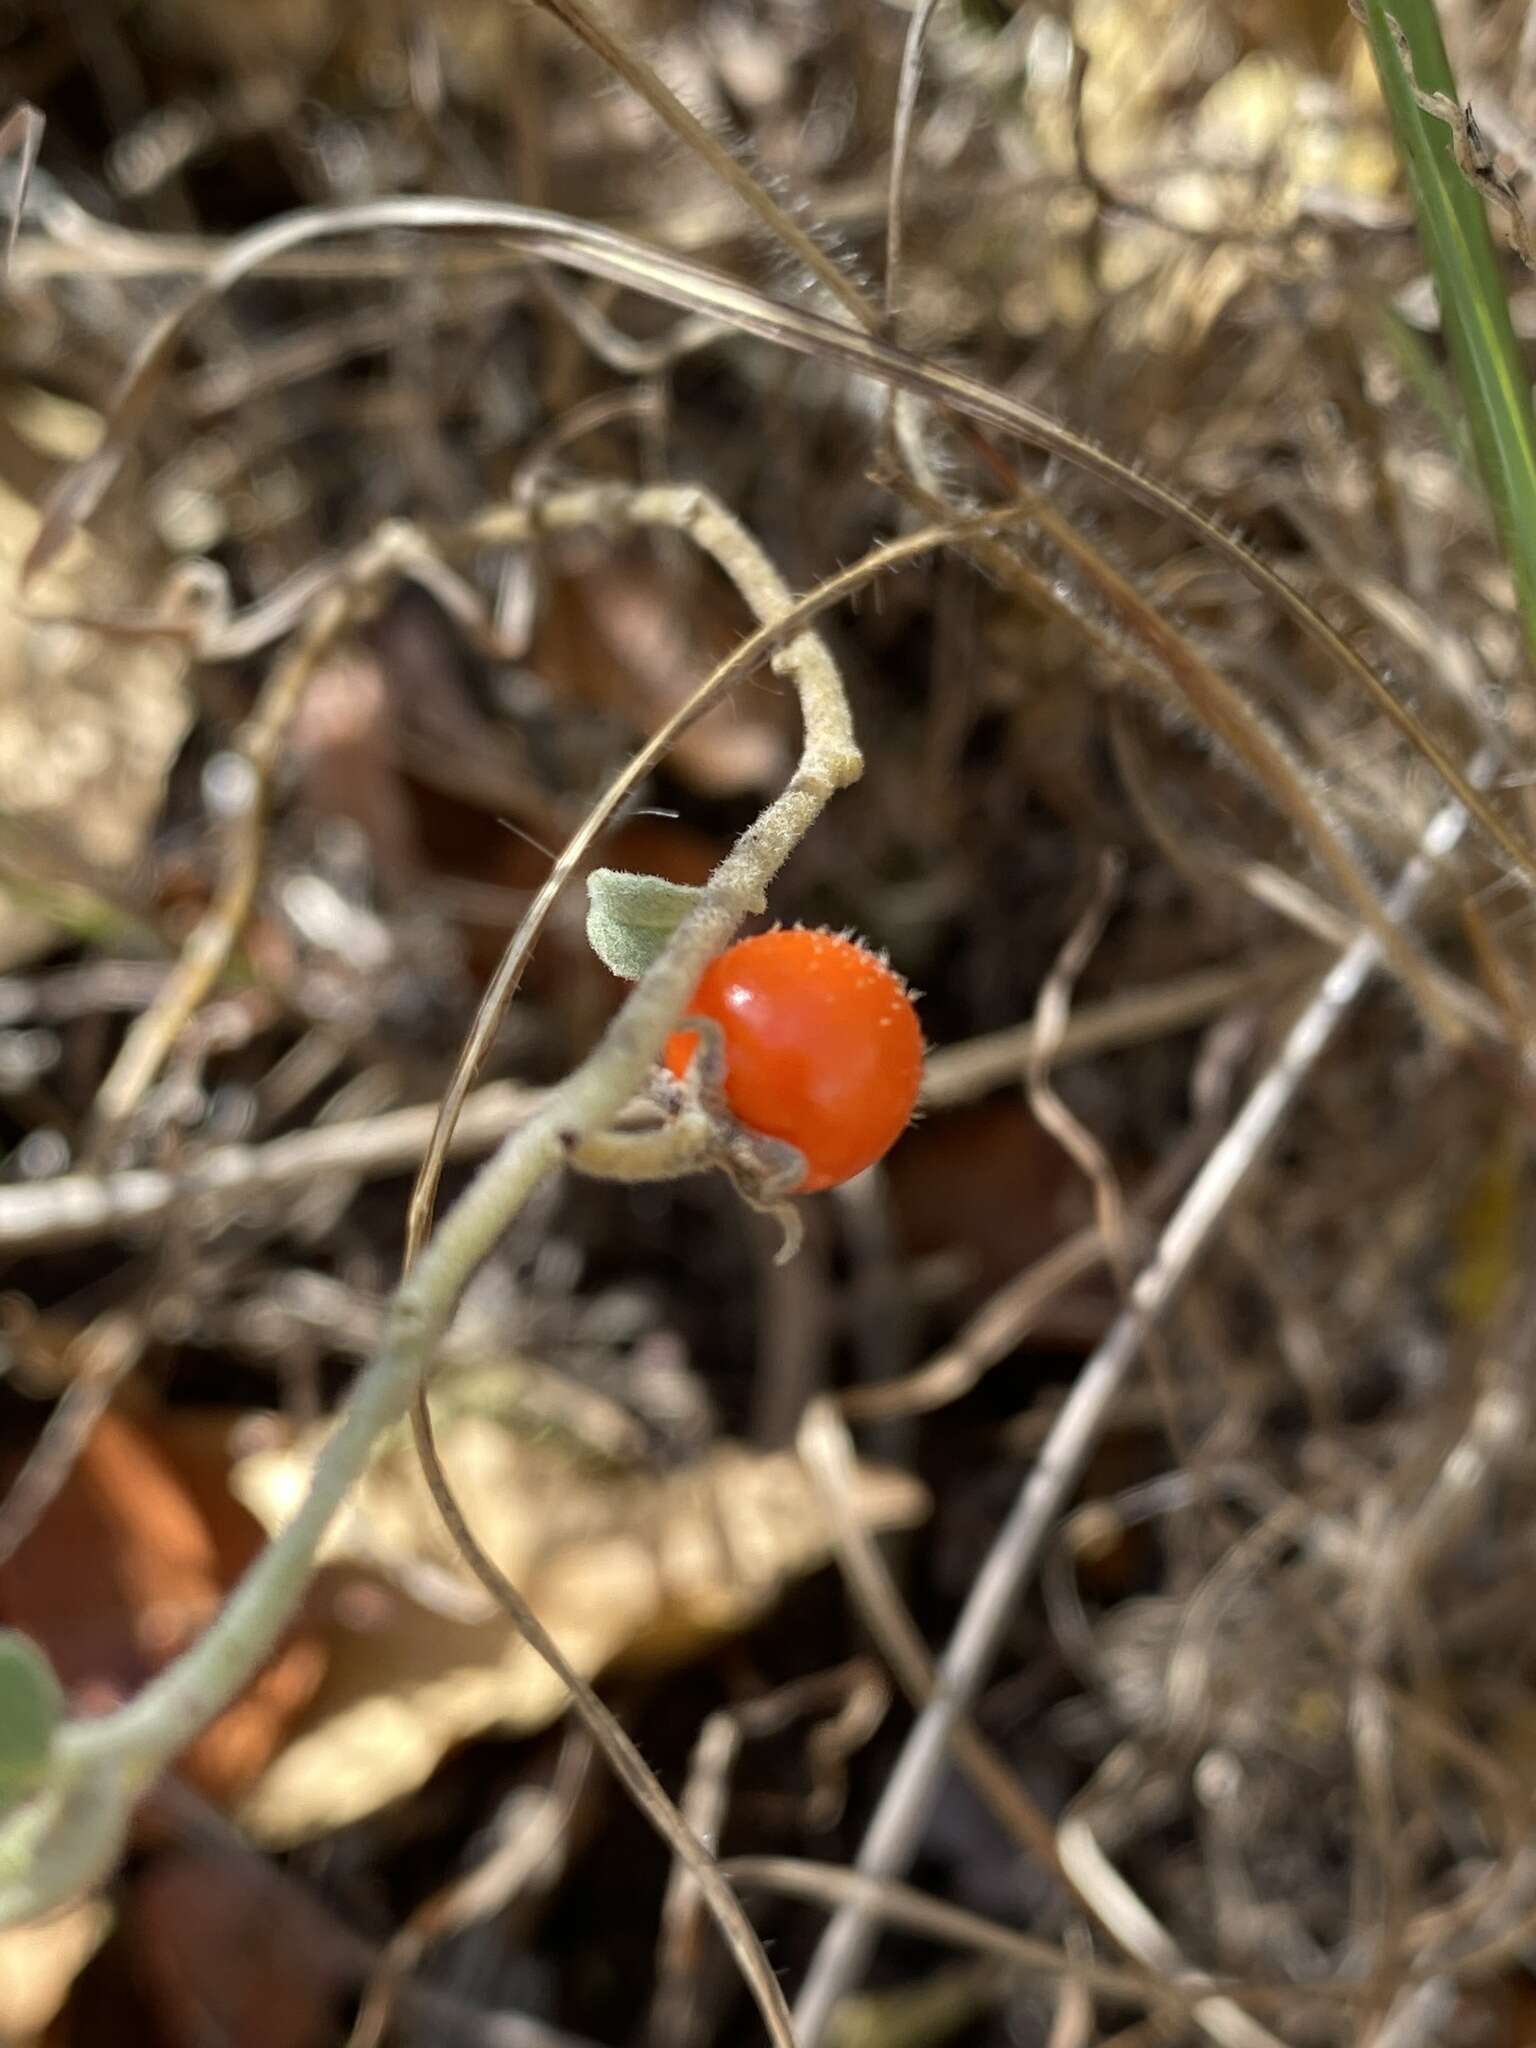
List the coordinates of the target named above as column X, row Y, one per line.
column 100, row 1764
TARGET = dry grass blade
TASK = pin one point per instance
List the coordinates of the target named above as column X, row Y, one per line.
column 621, row 260
column 907, row 1799
column 994, row 1331
column 1003, row 1321
column 1164, row 663
column 907, row 87
column 631, row 1769
column 957, row 1073
column 211, row 944
column 900, row 1906
column 643, row 79
column 21, row 137
column 1223, row 712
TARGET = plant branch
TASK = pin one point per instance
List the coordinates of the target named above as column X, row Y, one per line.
column 103, row 1763
column 82, row 1208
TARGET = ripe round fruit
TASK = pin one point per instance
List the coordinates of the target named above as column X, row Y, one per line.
column 822, row 1046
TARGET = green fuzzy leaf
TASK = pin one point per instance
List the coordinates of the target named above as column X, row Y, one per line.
column 631, row 917
column 31, row 1708
column 1485, row 354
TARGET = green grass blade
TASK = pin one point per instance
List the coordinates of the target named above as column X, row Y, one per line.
column 1489, row 367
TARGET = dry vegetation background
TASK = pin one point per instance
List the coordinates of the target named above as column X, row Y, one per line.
column 1272, row 1689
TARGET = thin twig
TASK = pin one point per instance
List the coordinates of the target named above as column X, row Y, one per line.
column 1144, row 1937
column 853, row 1698
column 998, row 1327
column 98, row 1361
column 959, row 1073
column 1053, row 1014
column 81, row 1208
column 901, row 145
column 212, row 942
column 935, row 1920
column 826, row 1451
column 643, row 79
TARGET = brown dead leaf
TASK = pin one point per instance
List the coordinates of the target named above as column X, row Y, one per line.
column 630, row 1569
column 39, row 1963
column 988, row 1185
column 226, row 1952
column 618, row 637
column 342, row 750
column 126, row 1566
column 88, row 725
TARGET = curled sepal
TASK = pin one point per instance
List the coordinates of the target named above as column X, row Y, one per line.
column 31, row 1708
column 631, row 917
column 766, row 1172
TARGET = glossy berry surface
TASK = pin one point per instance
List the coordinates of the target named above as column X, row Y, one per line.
column 822, row 1047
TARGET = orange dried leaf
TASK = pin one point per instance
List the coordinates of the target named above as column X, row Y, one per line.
column 126, row 1566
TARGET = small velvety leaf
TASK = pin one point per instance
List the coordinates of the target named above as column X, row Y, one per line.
column 31, row 1707
column 631, row 917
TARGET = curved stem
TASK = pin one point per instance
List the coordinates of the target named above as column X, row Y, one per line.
column 119, row 1752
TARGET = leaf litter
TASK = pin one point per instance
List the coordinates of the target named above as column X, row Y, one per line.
column 1275, row 1688
column 629, row 1570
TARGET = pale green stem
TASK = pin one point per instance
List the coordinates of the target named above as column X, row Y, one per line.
column 100, row 1764
column 172, row 1708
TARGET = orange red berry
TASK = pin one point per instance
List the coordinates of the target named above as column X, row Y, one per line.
column 822, row 1047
